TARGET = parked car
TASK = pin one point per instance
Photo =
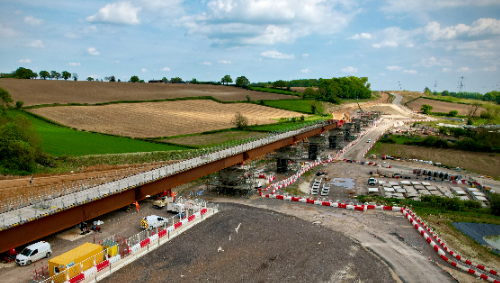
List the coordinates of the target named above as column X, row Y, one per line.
column 369, row 141
column 33, row 253
column 372, row 181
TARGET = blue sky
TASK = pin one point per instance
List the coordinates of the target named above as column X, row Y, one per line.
column 392, row 42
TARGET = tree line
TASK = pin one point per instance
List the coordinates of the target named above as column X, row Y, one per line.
column 489, row 96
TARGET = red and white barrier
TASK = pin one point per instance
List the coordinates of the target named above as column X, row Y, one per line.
column 441, row 253
column 448, row 249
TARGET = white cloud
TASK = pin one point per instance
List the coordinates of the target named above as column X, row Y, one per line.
column 117, row 61
column 116, row 13
column 349, row 70
column 463, row 69
column 381, row 74
column 329, row 42
column 305, row 55
column 166, row 69
column 36, row 44
column 394, row 68
column 92, row 51
column 24, row 61
column 32, row 21
column 74, row 64
column 267, row 22
column 70, row 35
column 89, row 29
column 206, row 63
column 18, row 12
column 490, row 69
column 7, row 32
column 144, row 70
column 276, row 55
column 446, row 70
column 432, row 61
column 481, row 26
column 394, row 37
column 409, row 72
column 397, row 6
column 224, row 62
column 361, row 36
column 305, row 71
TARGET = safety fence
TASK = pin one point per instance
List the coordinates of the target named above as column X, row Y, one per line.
column 125, row 251
column 469, row 265
column 17, row 215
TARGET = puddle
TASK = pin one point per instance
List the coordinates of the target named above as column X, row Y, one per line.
column 347, row 183
column 493, row 240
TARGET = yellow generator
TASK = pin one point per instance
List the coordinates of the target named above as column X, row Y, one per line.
column 75, row 261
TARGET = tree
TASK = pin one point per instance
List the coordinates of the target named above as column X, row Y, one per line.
column 90, row 79
column 226, row 79
column 140, row 81
column 313, row 107
column 427, row 91
column 44, row 74
column 110, row 79
column 472, row 109
column 66, row 75
column 23, row 73
column 249, row 98
column 176, row 80
column 242, row 81
column 239, row 121
column 19, row 104
column 119, row 81
column 453, row 113
column 309, row 92
column 55, row 75
column 164, row 79
column 445, row 93
column 75, row 76
column 281, row 84
column 426, row 109
column 134, row 79
column 5, row 100
column 194, row 81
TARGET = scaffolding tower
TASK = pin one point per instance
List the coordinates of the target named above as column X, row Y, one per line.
column 235, row 180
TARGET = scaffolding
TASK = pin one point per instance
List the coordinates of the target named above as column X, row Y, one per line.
column 235, row 180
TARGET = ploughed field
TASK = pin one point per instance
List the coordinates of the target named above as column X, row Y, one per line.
column 247, row 244
column 160, row 119
column 441, row 106
column 35, row 92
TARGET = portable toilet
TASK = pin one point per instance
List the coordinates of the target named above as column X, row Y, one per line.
column 75, row 261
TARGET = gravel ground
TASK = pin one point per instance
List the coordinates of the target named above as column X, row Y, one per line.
column 243, row 243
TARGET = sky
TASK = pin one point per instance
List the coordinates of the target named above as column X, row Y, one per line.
column 397, row 44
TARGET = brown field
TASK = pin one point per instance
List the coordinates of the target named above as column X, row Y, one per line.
column 480, row 162
column 35, row 92
column 442, row 106
column 301, row 89
column 160, row 119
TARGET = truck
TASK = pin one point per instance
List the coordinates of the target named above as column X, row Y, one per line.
column 152, row 222
column 33, row 253
column 162, row 202
column 73, row 262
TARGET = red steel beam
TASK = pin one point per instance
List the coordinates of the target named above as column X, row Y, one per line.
column 42, row 227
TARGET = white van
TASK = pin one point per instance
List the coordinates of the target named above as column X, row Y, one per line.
column 33, row 253
column 152, row 222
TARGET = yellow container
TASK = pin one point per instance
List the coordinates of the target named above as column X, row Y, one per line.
column 112, row 247
column 75, row 261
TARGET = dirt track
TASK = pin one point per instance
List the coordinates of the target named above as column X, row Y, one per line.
column 34, row 92
column 160, row 119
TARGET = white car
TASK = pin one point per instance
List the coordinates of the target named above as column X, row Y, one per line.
column 33, row 253
column 152, row 222
column 369, row 141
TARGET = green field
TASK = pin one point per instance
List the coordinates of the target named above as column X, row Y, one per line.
column 297, row 105
column 272, row 90
column 285, row 126
column 59, row 141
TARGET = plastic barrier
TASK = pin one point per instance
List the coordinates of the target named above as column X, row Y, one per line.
column 79, row 278
column 102, row 265
column 441, row 252
column 145, row 242
column 177, row 225
column 203, row 211
column 191, row 218
column 162, row 233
